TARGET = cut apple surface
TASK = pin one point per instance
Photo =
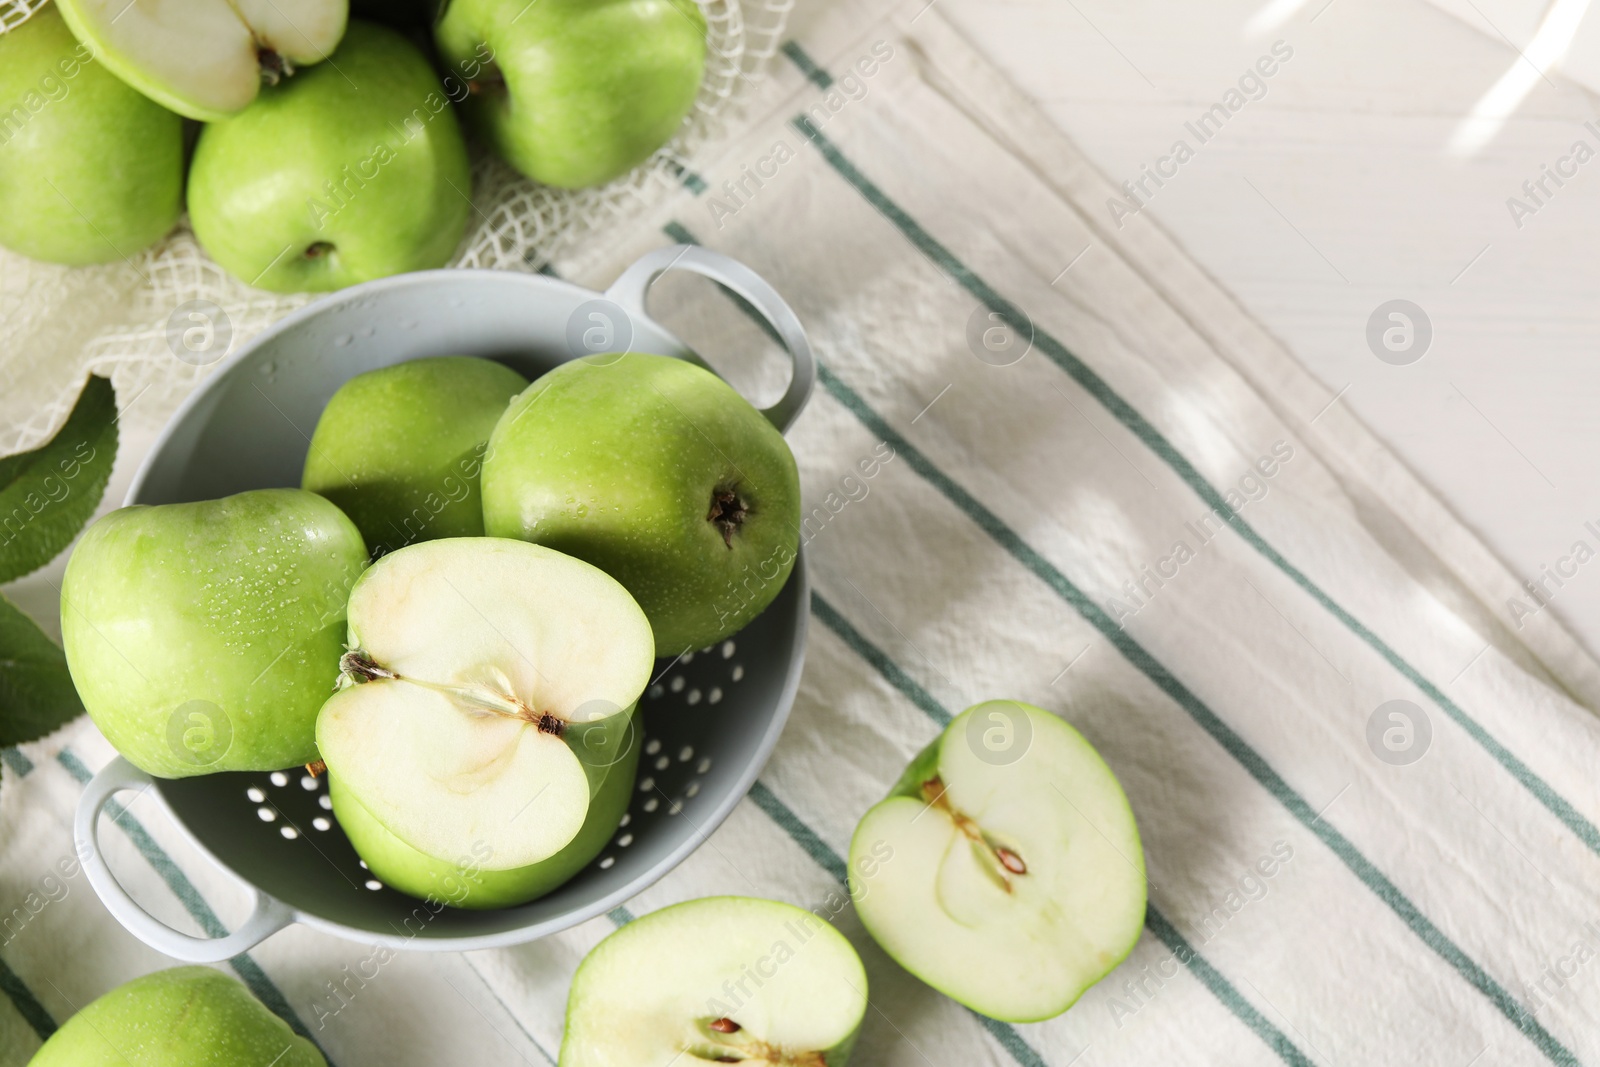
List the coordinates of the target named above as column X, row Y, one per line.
column 206, row 58
column 717, row 980
column 1015, row 878
column 487, row 695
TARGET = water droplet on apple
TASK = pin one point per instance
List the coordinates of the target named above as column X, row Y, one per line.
column 583, row 509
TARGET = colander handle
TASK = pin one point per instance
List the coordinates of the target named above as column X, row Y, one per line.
column 267, row 917
column 631, row 286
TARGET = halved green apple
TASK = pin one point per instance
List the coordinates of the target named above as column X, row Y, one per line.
column 206, row 59
column 717, row 980
column 487, row 694
column 1005, row 868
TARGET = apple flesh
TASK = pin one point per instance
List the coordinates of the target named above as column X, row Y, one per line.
column 399, row 449
column 350, row 171
column 205, row 637
column 185, row 1015
column 657, row 472
column 577, row 92
column 464, row 883
column 1015, row 877
column 90, row 171
column 720, row 980
column 206, row 59
column 488, row 695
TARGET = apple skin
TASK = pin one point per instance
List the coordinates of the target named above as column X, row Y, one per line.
column 616, row 459
column 591, row 87
column 237, row 605
column 469, row 886
column 352, row 170
column 94, row 172
column 185, row 1015
column 399, row 449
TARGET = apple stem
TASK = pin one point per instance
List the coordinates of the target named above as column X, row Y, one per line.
column 316, row 768
column 274, row 67
column 360, row 667
column 933, row 794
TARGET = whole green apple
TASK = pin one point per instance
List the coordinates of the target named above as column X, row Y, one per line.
column 1004, row 868
column 576, row 92
column 718, row 980
column 399, row 448
column 205, row 637
column 352, row 170
column 182, row 1017
column 90, row 171
column 464, row 884
column 657, row 472
column 208, row 59
column 488, row 695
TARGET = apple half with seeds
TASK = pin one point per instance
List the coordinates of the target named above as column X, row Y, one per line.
column 206, row 59
column 717, row 980
column 1016, row 878
column 487, row 696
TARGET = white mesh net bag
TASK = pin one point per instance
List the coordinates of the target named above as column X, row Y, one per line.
column 57, row 323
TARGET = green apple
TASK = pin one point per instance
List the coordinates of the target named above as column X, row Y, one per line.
column 399, row 448
column 576, row 92
column 487, row 696
column 719, row 980
column 90, row 171
column 176, row 1018
column 657, row 472
column 464, row 883
column 352, row 170
column 205, row 637
column 206, row 59
column 1004, row 869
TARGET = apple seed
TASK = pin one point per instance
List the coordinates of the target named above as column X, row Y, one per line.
column 274, row 67
column 724, row 1026
column 998, row 855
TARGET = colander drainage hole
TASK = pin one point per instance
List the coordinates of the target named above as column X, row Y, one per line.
column 738, row 672
column 325, row 802
column 625, row 840
column 280, row 779
column 688, row 657
column 320, row 823
column 694, row 696
column 308, row 783
column 653, row 747
column 685, row 754
column 691, row 789
column 646, row 784
column 705, row 765
column 266, row 814
column 289, row 833
column 715, row 696
column 652, row 804
column 656, row 691
column 374, row 885
column 677, row 684
column 663, row 763
column 256, row 796
column 606, row 863
column 627, row 817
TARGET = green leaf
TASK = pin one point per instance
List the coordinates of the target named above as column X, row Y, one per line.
column 36, row 692
column 48, row 494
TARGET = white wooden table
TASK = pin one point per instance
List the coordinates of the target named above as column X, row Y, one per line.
column 1334, row 193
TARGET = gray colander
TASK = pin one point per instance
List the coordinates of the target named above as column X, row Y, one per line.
column 710, row 718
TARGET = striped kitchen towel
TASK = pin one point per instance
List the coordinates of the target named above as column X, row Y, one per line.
column 1366, row 788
